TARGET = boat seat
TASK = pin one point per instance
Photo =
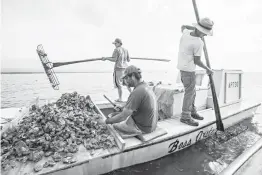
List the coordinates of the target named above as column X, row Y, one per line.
column 150, row 136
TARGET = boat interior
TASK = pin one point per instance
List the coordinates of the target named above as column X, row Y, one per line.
column 170, row 98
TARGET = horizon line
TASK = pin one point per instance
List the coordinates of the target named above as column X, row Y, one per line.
column 36, row 72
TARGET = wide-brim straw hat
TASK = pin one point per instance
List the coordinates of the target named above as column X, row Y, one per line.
column 205, row 26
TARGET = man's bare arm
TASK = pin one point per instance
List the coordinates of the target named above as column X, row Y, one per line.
column 128, row 59
column 187, row 27
column 119, row 117
column 198, row 62
column 113, row 59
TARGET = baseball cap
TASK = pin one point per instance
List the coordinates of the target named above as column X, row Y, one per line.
column 117, row 40
column 131, row 69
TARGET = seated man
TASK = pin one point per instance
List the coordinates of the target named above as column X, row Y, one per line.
column 139, row 115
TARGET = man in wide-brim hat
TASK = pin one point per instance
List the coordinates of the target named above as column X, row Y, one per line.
column 190, row 51
column 205, row 26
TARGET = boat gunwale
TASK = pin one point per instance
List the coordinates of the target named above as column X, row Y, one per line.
column 243, row 159
column 119, row 140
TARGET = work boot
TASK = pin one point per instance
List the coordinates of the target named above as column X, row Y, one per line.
column 197, row 116
column 189, row 121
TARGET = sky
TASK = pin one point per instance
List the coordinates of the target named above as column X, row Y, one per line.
column 72, row 30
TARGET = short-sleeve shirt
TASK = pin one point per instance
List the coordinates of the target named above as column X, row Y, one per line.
column 142, row 101
column 189, row 47
column 122, row 57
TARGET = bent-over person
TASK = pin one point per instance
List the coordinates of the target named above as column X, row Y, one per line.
column 139, row 115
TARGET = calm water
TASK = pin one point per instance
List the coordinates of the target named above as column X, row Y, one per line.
column 206, row 157
column 18, row 90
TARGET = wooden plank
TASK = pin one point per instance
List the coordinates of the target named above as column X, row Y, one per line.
column 150, row 136
column 120, row 142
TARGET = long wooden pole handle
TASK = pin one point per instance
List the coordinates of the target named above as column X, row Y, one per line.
column 203, row 39
column 57, row 64
column 150, row 59
column 219, row 123
column 110, row 101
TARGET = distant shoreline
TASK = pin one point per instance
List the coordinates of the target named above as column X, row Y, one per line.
column 44, row 72
column 75, row 72
column 109, row 71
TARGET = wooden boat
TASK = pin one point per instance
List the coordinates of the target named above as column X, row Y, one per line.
column 170, row 136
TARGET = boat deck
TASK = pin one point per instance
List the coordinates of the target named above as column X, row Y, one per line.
column 175, row 128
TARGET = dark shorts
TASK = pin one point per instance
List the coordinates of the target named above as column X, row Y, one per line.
column 127, row 128
column 117, row 78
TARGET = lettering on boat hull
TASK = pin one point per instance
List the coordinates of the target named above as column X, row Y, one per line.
column 203, row 135
column 189, row 139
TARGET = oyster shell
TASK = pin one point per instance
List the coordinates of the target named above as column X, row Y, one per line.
column 55, row 129
column 49, row 163
column 57, row 157
column 38, row 167
column 36, row 156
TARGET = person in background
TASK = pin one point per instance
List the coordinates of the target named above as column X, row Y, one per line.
column 139, row 114
column 190, row 51
column 121, row 58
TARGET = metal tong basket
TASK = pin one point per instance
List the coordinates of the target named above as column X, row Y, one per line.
column 48, row 67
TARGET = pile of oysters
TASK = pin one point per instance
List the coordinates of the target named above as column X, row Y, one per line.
column 55, row 130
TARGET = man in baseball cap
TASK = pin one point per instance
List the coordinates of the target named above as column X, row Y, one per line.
column 129, row 70
column 117, row 40
column 139, row 114
column 121, row 58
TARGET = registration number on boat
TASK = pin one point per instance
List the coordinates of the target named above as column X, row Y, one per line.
column 233, row 84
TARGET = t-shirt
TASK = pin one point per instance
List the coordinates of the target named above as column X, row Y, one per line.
column 122, row 57
column 142, row 101
column 189, row 47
